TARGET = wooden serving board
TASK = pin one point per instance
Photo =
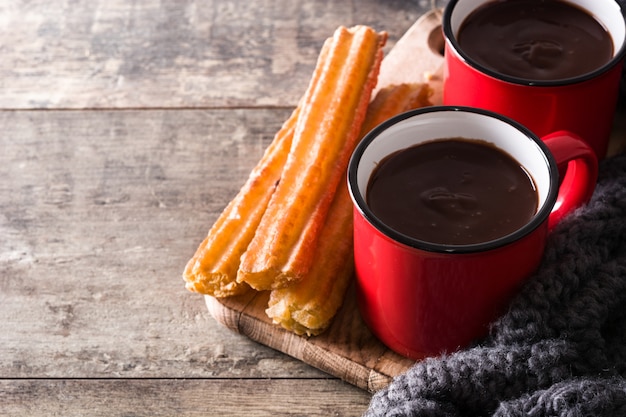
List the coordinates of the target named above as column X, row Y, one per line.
column 347, row 349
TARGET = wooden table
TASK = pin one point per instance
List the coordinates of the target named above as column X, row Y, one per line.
column 125, row 128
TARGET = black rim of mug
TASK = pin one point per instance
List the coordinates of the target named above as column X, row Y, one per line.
column 450, row 38
column 359, row 200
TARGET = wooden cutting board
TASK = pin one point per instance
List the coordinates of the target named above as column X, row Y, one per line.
column 347, row 349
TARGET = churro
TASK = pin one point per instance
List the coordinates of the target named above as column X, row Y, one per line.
column 327, row 130
column 213, row 268
column 394, row 99
column 308, row 306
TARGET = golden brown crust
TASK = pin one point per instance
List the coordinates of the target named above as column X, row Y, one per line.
column 213, row 268
column 308, row 306
column 395, row 99
column 329, row 125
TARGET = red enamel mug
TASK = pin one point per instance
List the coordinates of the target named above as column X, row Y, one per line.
column 421, row 298
column 583, row 104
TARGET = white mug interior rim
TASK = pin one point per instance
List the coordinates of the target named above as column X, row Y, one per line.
column 441, row 122
column 607, row 12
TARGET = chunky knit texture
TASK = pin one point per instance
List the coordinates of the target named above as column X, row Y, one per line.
column 560, row 350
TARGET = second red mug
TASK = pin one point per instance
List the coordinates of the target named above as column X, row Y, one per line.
column 583, row 104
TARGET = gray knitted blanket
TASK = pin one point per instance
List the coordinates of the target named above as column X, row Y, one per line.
column 560, row 350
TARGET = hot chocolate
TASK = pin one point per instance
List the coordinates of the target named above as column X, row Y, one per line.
column 535, row 40
column 452, row 191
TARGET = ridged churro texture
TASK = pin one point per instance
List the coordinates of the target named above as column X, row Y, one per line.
column 326, row 133
column 213, row 268
column 394, row 99
column 309, row 305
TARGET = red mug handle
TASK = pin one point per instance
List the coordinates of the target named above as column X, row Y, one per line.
column 578, row 168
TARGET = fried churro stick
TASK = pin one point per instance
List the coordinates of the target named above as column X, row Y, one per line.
column 328, row 127
column 308, row 306
column 395, row 99
column 213, row 268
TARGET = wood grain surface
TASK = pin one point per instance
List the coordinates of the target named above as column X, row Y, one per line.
column 188, row 53
column 125, row 128
column 179, row 397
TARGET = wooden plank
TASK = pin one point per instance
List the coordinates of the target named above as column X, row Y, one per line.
column 99, row 212
column 182, row 398
column 347, row 350
column 216, row 53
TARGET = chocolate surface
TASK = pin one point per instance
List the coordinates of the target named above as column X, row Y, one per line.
column 452, row 191
column 535, row 40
